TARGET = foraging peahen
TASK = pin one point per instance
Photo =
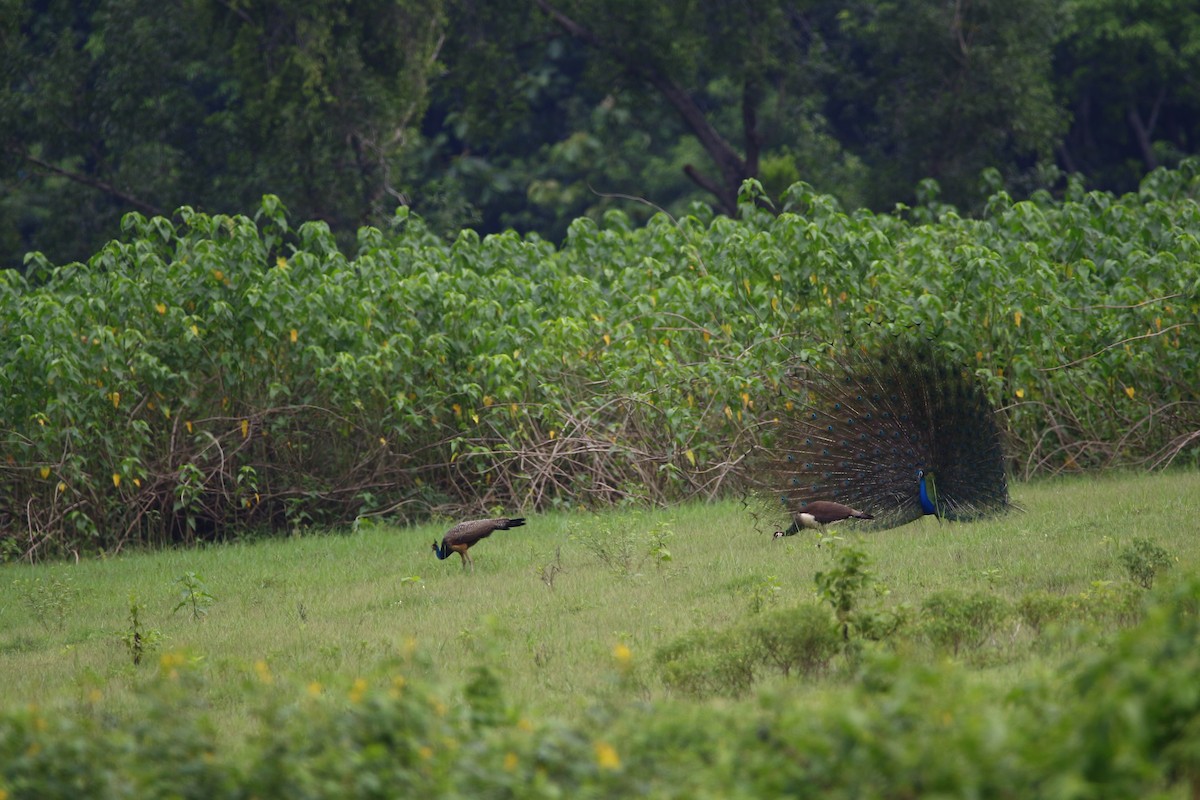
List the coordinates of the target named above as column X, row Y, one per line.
column 819, row 513
column 899, row 435
column 462, row 536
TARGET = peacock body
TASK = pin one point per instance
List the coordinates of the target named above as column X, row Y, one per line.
column 899, row 435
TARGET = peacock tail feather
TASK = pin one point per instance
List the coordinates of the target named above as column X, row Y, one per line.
column 899, row 434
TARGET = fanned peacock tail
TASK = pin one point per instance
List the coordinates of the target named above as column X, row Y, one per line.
column 898, row 435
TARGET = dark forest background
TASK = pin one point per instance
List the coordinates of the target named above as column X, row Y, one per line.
column 528, row 114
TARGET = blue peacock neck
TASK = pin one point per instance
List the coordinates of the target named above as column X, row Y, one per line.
column 443, row 552
column 928, row 504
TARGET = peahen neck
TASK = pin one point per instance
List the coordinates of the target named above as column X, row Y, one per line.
column 927, row 503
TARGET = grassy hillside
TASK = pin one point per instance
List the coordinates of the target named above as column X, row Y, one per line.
column 546, row 612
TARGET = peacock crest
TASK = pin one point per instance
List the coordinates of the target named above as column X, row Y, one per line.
column 898, row 434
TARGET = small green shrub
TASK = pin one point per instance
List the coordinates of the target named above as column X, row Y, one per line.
column 193, row 595
column 48, row 600
column 137, row 638
column 1144, row 560
column 803, row 639
column 1040, row 609
column 953, row 620
column 704, row 663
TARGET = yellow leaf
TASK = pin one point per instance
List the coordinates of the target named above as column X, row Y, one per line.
column 607, row 339
column 1017, row 318
column 116, row 399
column 457, row 410
column 691, row 457
column 475, row 418
column 137, row 482
column 774, row 303
column 45, row 472
column 62, row 487
column 1129, row 390
column 746, row 283
column 745, row 398
column 195, row 331
column 487, row 401
column 245, row 429
column 552, row 433
column 293, row 334
column 653, row 300
column 1020, row 393
column 116, row 480
column 188, row 425
column 161, row 308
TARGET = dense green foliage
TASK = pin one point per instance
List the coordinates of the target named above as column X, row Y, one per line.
column 1123, row 722
column 529, row 115
column 227, row 372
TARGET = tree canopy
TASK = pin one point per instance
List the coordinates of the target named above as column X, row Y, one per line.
column 527, row 115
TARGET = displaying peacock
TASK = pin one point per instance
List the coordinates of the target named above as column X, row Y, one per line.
column 899, row 435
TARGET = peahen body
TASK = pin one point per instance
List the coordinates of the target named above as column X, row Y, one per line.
column 898, row 435
column 819, row 513
column 462, row 536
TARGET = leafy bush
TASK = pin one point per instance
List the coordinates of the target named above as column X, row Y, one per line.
column 1144, row 559
column 804, row 639
column 706, row 662
column 1041, row 609
column 210, row 374
column 954, row 620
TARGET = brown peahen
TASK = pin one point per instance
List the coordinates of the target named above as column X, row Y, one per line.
column 899, row 435
column 819, row 513
column 462, row 536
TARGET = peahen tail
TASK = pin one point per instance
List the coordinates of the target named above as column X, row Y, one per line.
column 899, row 435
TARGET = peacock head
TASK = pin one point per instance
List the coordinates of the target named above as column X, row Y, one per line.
column 439, row 553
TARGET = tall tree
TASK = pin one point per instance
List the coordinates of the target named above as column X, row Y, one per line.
column 944, row 90
column 1131, row 75
column 119, row 105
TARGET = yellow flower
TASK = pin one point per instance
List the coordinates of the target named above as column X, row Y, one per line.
column 606, row 756
column 358, row 690
column 161, row 308
column 45, row 472
column 510, row 761
column 1129, row 390
column 263, row 670
column 1017, row 318
column 622, row 654
column 1020, row 393
column 293, row 334
column 314, row 689
column 281, row 262
column 116, row 480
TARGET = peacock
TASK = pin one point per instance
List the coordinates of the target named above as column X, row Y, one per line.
column 462, row 536
column 899, row 434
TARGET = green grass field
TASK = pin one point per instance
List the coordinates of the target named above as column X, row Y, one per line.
column 542, row 608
